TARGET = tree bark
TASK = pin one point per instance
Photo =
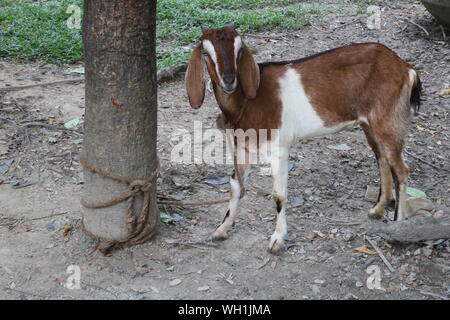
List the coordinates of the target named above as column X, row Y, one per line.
column 121, row 113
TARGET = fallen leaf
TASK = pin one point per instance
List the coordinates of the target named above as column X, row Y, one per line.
column 419, row 127
column 413, row 192
column 365, row 250
column 217, row 180
column 79, row 70
column 192, row 222
column 72, row 123
column 391, row 288
column 444, row 92
column 311, row 236
column 142, row 270
column 67, row 229
column 20, row 228
column 165, row 217
column 175, row 282
column 402, row 271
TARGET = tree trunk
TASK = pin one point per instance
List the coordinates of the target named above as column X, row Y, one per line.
column 121, row 115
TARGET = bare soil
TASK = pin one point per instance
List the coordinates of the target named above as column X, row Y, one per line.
column 40, row 231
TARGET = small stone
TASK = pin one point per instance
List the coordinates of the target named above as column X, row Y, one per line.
column 358, row 284
column 204, row 288
column 391, row 288
column 417, row 252
column 315, row 289
column 349, row 235
column 319, row 281
column 439, row 213
column 175, row 282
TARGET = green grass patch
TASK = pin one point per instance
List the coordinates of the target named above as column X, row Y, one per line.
column 38, row 30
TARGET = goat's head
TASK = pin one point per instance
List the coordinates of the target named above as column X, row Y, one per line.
column 229, row 63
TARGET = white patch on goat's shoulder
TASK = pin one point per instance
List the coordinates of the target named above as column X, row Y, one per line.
column 299, row 118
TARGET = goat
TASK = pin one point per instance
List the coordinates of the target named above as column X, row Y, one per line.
column 363, row 84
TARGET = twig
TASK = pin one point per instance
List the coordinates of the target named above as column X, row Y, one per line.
column 48, row 126
column 443, row 32
column 346, row 24
column 99, row 288
column 49, row 216
column 434, row 295
column 418, row 25
column 45, row 84
column 424, row 161
column 348, row 223
column 28, row 293
column 382, row 256
column 194, row 243
column 198, row 203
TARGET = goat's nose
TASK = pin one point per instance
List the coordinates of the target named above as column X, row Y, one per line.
column 228, row 80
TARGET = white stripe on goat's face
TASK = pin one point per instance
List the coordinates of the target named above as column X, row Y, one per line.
column 222, row 48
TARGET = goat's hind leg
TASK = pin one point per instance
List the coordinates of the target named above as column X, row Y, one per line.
column 391, row 143
column 386, row 181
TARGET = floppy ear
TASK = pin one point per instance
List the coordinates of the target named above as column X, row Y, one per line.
column 248, row 73
column 195, row 79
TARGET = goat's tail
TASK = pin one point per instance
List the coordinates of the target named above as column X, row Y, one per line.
column 416, row 92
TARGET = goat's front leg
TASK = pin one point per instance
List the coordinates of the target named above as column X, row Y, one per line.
column 237, row 191
column 279, row 194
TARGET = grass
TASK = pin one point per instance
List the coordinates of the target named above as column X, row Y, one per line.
column 34, row 30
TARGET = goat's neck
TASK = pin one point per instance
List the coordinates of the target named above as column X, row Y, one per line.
column 230, row 104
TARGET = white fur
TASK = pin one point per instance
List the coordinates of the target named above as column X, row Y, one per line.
column 237, row 47
column 299, row 119
column 209, row 47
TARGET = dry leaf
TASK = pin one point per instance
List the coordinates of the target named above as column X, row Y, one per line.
column 365, row 250
column 444, row 92
column 142, row 270
column 67, row 229
column 311, row 236
column 175, row 282
column 20, row 228
column 419, row 127
column 402, row 271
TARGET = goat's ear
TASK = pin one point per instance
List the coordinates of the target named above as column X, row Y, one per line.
column 248, row 73
column 195, row 78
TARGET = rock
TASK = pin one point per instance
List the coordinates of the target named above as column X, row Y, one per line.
column 349, row 235
column 203, row 288
column 315, row 289
column 371, row 194
column 175, row 282
column 319, row 281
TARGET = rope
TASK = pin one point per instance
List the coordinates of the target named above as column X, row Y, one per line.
column 135, row 235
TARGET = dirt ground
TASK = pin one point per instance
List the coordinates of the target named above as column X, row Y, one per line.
column 39, row 223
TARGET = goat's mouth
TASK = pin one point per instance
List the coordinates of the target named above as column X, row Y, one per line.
column 229, row 91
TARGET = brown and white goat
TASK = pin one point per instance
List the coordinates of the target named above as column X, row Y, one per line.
column 362, row 84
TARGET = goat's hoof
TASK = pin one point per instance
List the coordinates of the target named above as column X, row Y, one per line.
column 276, row 247
column 219, row 236
column 375, row 214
